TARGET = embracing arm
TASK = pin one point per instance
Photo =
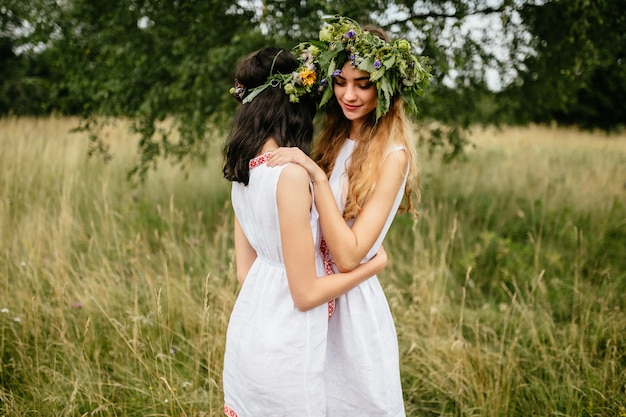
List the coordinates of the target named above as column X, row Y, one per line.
column 245, row 255
column 308, row 290
column 349, row 245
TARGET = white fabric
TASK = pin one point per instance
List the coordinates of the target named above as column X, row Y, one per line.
column 362, row 364
column 275, row 354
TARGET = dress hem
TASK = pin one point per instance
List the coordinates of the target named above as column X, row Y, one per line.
column 229, row 411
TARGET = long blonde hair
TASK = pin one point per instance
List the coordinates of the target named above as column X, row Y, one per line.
column 375, row 140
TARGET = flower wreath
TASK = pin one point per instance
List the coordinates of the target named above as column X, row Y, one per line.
column 393, row 67
column 295, row 84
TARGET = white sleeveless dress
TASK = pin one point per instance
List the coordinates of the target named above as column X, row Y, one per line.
column 362, row 365
column 275, row 354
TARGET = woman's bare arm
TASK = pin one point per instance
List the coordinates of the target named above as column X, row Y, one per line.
column 307, row 289
column 245, row 255
column 349, row 245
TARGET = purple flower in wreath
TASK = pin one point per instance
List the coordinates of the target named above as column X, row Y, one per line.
column 377, row 64
column 336, row 72
column 350, row 34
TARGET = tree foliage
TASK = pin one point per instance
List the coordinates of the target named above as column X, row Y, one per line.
column 148, row 60
column 577, row 73
column 20, row 91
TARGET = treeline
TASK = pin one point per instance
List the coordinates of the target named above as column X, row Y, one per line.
column 552, row 60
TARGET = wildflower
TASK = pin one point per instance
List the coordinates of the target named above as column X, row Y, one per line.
column 354, row 60
column 238, row 91
column 404, row 45
column 377, row 64
column 350, row 34
column 4, row 310
column 308, row 77
column 17, row 319
column 313, row 50
column 325, row 34
column 336, row 72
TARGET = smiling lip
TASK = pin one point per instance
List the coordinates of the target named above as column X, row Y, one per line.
column 350, row 107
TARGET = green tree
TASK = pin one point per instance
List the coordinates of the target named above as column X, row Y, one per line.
column 16, row 87
column 577, row 73
column 148, row 60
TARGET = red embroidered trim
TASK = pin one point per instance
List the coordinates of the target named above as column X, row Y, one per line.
column 328, row 265
column 229, row 411
column 259, row 160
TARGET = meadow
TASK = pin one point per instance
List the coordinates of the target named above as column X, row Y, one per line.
column 507, row 292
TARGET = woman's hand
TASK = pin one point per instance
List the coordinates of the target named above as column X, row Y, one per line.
column 282, row 156
column 374, row 266
column 381, row 259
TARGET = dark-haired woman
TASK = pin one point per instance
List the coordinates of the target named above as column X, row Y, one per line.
column 276, row 339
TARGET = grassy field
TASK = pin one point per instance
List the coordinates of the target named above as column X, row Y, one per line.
column 508, row 292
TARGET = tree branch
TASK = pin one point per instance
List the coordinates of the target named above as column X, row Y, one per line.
column 457, row 15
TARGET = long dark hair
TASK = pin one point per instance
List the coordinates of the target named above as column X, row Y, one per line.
column 269, row 115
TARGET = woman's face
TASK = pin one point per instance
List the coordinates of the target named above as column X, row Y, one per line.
column 355, row 93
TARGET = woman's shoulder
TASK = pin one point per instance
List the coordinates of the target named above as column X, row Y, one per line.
column 394, row 152
column 293, row 192
column 293, row 176
column 395, row 155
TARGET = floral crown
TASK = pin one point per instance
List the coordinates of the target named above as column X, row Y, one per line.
column 393, row 67
column 296, row 84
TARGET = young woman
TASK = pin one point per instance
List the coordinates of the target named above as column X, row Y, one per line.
column 365, row 169
column 276, row 338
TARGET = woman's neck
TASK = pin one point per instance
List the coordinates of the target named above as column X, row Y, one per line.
column 269, row 146
column 355, row 131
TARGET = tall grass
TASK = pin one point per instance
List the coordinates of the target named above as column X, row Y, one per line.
column 115, row 298
column 507, row 292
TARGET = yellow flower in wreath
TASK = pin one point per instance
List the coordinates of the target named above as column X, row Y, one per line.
column 308, row 77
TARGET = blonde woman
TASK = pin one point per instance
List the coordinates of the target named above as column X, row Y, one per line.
column 363, row 171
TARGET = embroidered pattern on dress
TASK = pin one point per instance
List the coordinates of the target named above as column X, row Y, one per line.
column 229, row 411
column 259, row 160
column 328, row 265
